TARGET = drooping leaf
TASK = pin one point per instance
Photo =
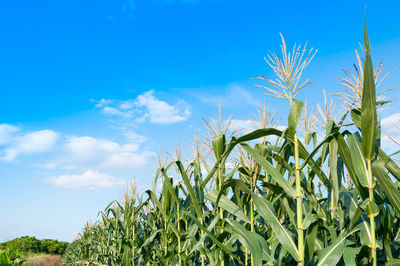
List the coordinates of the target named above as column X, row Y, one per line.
column 332, row 254
column 227, row 205
column 391, row 190
column 267, row 211
column 272, row 171
column 350, row 255
column 252, row 241
column 210, row 235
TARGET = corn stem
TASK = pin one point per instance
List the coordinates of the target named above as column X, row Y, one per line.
column 300, row 232
column 371, row 186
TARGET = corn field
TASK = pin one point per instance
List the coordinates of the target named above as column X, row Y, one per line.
column 319, row 192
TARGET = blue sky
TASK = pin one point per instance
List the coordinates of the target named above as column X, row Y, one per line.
column 91, row 90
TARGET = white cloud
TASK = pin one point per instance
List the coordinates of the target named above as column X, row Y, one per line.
column 240, row 125
column 90, row 179
column 104, row 154
column 390, row 126
column 103, row 102
column 135, row 138
column 103, row 157
column 75, row 152
column 30, row 143
column 391, row 120
column 146, row 107
column 125, row 105
column 114, row 111
column 160, row 112
column 6, row 132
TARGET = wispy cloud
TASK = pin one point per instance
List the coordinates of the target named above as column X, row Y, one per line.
column 391, row 121
column 134, row 137
column 103, row 102
column 129, row 6
column 242, row 125
column 114, row 111
column 6, row 133
column 390, row 128
column 180, row 1
column 232, row 95
column 146, row 107
column 90, row 179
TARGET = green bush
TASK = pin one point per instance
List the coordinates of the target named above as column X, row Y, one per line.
column 25, row 244
column 28, row 244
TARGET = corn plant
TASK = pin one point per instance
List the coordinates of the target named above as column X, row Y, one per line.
column 268, row 197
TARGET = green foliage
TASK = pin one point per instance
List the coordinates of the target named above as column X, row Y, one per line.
column 24, row 244
column 10, row 257
column 52, row 246
column 28, row 244
column 284, row 203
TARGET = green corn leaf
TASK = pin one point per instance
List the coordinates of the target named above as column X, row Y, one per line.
column 345, row 155
column 190, row 189
column 271, row 170
column 150, row 239
column 264, row 207
column 332, row 254
column 391, row 190
column 311, row 239
column 210, row 227
column 369, row 121
column 308, row 220
column 326, row 141
column 390, row 165
column 387, row 235
column 358, row 160
column 210, row 235
column 259, row 133
column 350, row 255
column 157, row 203
column 334, row 170
column 227, row 205
column 365, row 230
column 294, row 116
column 168, row 185
column 218, row 144
column 252, row 241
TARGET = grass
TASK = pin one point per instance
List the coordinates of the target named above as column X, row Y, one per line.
column 43, row 260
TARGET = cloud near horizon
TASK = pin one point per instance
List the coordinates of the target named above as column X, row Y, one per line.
column 90, row 179
column 96, row 159
column 83, row 152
